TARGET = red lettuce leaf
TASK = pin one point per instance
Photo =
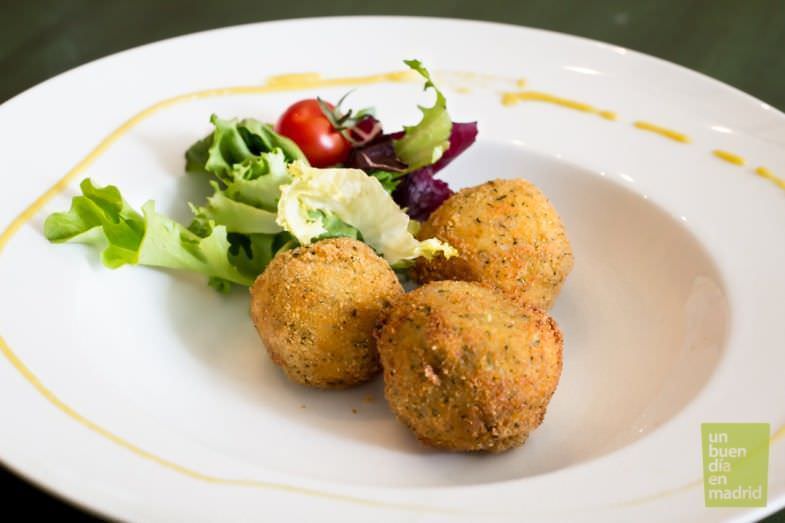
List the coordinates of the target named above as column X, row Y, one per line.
column 420, row 193
column 376, row 156
column 462, row 136
column 368, row 130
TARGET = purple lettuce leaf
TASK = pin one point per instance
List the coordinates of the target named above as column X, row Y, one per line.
column 462, row 136
column 366, row 131
column 420, row 193
column 377, row 156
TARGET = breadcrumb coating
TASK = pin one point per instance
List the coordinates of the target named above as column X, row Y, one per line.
column 466, row 368
column 508, row 236
column 315, row 309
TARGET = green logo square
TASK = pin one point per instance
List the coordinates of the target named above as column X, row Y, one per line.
column 735, row 464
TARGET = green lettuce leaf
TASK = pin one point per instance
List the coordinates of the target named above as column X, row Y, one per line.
column 235, row 216
column 261, row 138
column 249, row 159
column 102, row 218
column 423, row 144
column 251, row 253
column 235, row 141
column 257, row 181
column 389, row 180
column 248, row 203
column 196, row 156
column 334, row 227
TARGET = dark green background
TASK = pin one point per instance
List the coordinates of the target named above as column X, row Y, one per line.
column 739, row 42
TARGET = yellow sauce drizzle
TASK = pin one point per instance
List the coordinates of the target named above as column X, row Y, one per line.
column 767, row 174
column 608, row 115
column 662, row 131
column 194, row 474
column 298, row 81
column 516, row 97
column 462, row 82
column 472, row 78
column 729, row 157
column 520, row 83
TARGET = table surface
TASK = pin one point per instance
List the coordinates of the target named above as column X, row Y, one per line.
column 741, row 43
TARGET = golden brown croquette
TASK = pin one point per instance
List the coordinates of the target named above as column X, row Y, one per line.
column 315, row 308
column 466, row 368
column 508, row 236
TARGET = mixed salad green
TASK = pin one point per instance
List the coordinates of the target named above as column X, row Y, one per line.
column 269, row 196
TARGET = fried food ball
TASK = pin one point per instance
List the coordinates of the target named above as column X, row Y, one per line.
column 466, row 368
column 315, row 309
column 508, row 236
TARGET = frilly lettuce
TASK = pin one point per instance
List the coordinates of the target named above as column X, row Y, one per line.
column 256, row 181
column 357, row 200
column 248, row 201
column 233, row 142
column 249, row 161
column 425, row 143
column 236, row 216
column 101, row 217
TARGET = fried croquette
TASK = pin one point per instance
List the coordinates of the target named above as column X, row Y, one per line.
column 315, row 309
column 466, row 368
column 508, row 236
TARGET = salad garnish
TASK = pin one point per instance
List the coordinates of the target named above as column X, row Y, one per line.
column 322, row 172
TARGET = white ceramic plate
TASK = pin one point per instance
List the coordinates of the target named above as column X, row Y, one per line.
column 144, row 395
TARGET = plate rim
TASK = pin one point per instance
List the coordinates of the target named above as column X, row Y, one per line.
column 731, row 90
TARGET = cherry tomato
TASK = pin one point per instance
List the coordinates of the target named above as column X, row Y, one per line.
column 305, row 123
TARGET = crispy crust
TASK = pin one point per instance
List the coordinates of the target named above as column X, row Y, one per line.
column 466, row 368
column 508, row 236
column 315, row 308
